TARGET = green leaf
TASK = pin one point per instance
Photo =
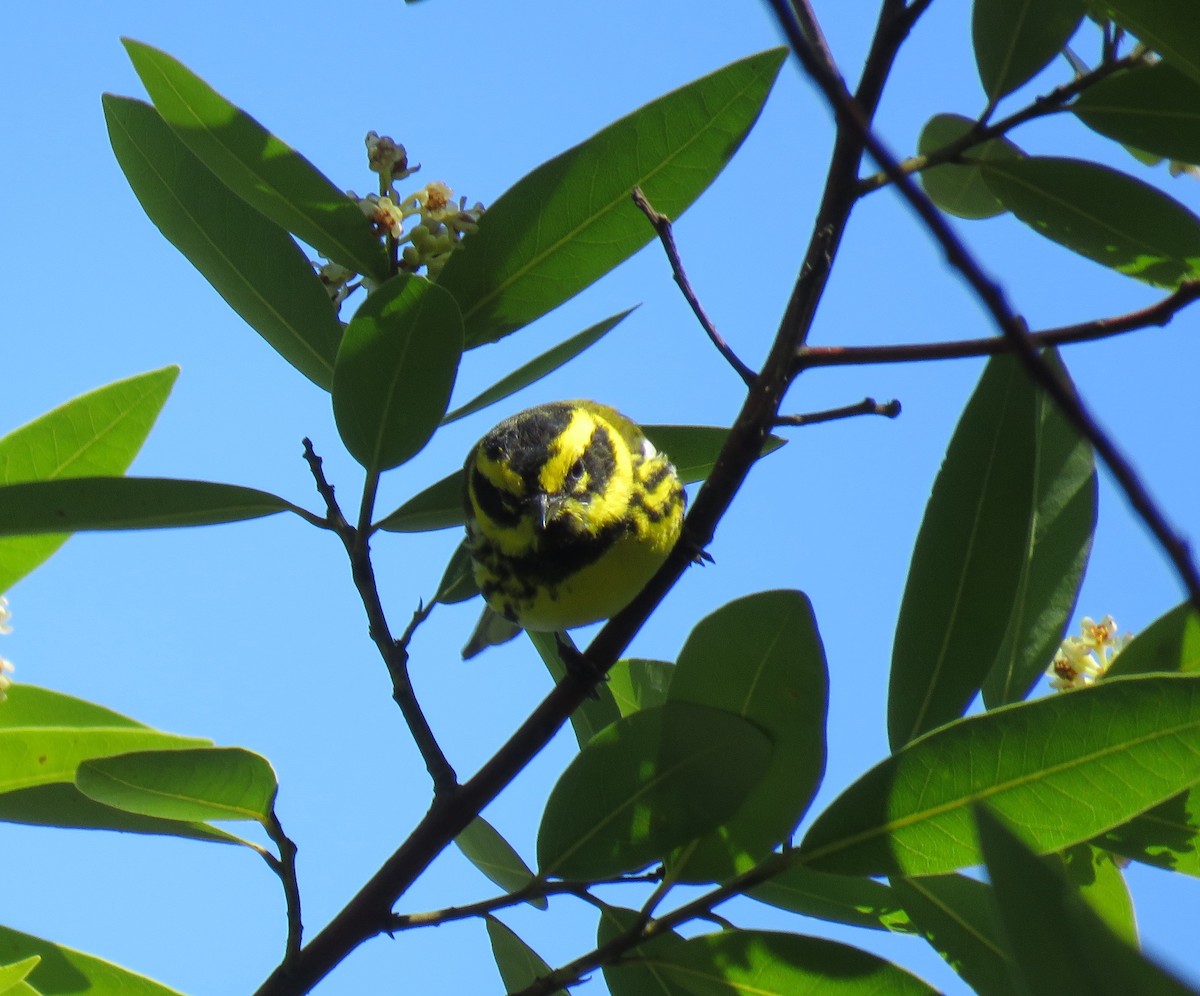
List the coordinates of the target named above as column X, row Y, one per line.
column 595, row 713
column 959, row 189
column 639, row 684
column 1060, row 947
column 967, row 565
column 189, row 785
column 693, row 450
column 1155, row 108
column 89, row 503
column 861, row 902
column 1167, row 836
column 96, row 433
column 571, row 220
column 1056, row 551
column 458, row 580
column 271, row 176
column 1015, row 39
column 537, row 368
column 957, row 916
column 1101, row 885
column 30, row 706
column 636, row 974
column 645, row 785
column 775, row 964
column 61, row 804
column 395, row 370
column 1102, row 214
column 251, row 262
column 1171, row 643
column 759, row 658
column 16, row 972
column 1102, row 754
column 520, row 966
column 1170, row 27
column 64, row 971
column 482, row 845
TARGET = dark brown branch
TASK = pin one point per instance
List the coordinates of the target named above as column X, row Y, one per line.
column 851, row 116
column 868, row 406
column 1159, row 313
column 662, row 225
column 394, row 653
column 285, row 867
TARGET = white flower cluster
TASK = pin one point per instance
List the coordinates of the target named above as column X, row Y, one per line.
column 1082, row 660
column 5, row 666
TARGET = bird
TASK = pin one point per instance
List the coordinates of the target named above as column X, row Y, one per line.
column 570, row 510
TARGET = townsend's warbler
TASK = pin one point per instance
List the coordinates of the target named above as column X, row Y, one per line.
column 570, row 510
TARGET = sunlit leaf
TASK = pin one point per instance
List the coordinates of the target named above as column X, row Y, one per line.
column 959, row 188
column 861, row 902
column 12, row 974
column 1102, row 754
column 1101, row 884
column 571, row 220
column 1171, row 643
column 1167, row 836
column 190, row 785
column 87, row 503
column 1058, row 944
column 1015, row 39
column 1102, row 214
column 257, row 166
column 759, row 658
column 967, row 563
column 646, row 784
column 639, row 684
column 97, row 433
column 1170, row 27
column 482, row 845
column 395, row 370
column 1155, row 108
column 251, row 262
column 537, row 368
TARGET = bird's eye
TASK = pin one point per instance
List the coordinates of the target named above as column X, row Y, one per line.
column 575, row 474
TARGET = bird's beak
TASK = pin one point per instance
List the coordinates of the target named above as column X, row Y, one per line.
column 545, row 508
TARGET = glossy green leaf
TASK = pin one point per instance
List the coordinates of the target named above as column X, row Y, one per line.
column 251, row 262
column 1101, row 885
column 226, row 783
column 96, row 433
column 1154, row 108
column 1171, row 643
column 1102, row 755
column 1170, row 27
column 959, row 188
column 571, row 220
column 1056, row 551
column 64, row 971
column 30, row 706
column 645, row 785
column 61, row 804
column 957, row 916
column 765, row 963
column 639, row 684
column 89, row 503
column 520, row 966
column 1059, row 946
column 860, row 902
column 538, row 367
column 482, row 845
column 1102, row 214
column 761, row 659
column 264, row 171
column 395, row 370
column 1015, row 39
column 693, row 450
column 637, row 974
column 16, row 972
column 596, row 712
column 1167, row 836
column 967, row 564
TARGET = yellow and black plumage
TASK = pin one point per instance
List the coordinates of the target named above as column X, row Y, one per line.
column 570, row 511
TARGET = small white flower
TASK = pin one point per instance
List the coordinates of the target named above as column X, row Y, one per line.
column 1082, row 660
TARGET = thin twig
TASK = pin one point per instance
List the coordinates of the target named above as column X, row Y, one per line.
column 868, row 406
column 285, row 868
column 1160, row 313
column 851, row 115
column 662, row 225
column 394, row 655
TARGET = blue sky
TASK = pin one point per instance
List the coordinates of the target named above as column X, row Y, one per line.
column 252, row 635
